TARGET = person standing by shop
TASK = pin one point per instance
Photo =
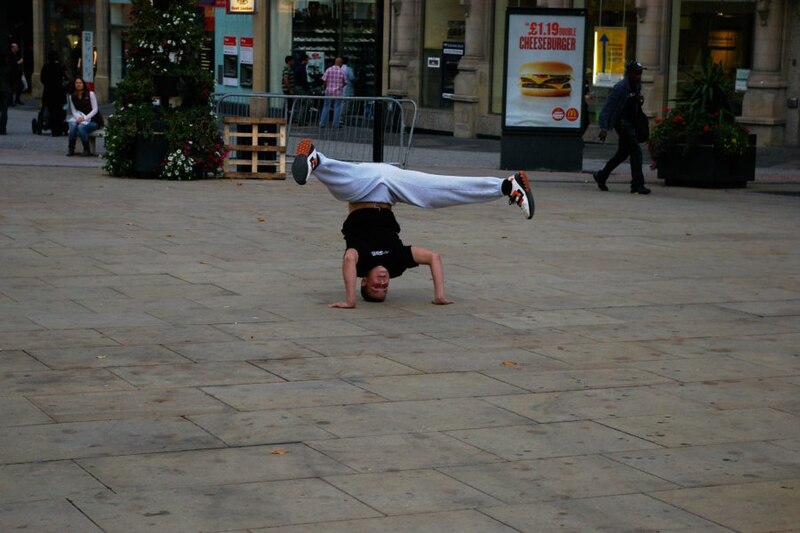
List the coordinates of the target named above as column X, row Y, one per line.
column 350, row 77
column 619, row 112
column 6, row 90
column 18, row 64
column 53, row 78
column 85, row 116
column 334, row 81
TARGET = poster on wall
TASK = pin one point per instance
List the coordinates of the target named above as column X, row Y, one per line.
column 609, row 55
column 230, row 61
column 246, row 61
column 315, row 69
column 87, row 58
column 543, row 86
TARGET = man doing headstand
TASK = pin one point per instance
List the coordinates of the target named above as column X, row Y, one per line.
column 374, row 250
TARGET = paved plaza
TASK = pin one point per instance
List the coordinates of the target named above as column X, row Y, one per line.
column 168, row 361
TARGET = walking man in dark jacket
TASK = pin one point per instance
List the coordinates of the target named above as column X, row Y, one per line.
column 619, row 113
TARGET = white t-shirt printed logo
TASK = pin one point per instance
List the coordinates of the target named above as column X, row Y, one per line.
column 378, row 253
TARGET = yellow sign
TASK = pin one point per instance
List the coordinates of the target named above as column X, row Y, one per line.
column 609, row 55
column 241, row 6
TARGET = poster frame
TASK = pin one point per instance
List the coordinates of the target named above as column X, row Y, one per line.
column 577, row 80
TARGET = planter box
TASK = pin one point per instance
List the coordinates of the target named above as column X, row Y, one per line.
column 701, row 166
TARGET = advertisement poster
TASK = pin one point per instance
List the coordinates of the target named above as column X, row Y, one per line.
column 315, row 68
column 230, row 61
column 609, row 55
column 544, row 68
column 87, row 58
column 246, row 61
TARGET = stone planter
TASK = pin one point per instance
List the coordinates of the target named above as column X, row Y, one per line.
column 702, row 166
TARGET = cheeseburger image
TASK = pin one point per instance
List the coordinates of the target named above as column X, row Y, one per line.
column 545, row 78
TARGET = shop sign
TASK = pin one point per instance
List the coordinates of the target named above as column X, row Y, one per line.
column 242, row 6
column 544, row 69
column 609, row 55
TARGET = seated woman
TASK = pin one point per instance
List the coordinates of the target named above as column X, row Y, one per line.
column 85, row 116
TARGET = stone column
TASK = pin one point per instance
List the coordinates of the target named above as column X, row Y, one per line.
column 101, row 82
column 39, row 52
column 652, row 29
column 404, row 49
column 764, row 104
column 259, row 106
column 471, row 96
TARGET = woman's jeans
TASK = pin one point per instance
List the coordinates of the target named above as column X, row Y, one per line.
column 83, row 129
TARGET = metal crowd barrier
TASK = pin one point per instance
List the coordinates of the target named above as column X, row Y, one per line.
column 350, row 140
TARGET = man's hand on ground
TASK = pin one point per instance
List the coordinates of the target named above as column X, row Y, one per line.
column 342, row 305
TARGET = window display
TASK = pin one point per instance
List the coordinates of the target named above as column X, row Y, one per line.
column 324, row 30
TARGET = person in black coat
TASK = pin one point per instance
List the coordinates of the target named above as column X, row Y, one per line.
column 54, row 96
column 6, row 90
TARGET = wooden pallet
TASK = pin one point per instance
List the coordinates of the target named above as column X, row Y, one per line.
column 256, row 148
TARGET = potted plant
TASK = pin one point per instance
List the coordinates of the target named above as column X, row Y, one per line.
column 164, row 104
column 699, row 143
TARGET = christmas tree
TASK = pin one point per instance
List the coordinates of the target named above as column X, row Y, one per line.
column 166, row 92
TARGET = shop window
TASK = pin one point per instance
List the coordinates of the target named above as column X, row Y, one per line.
column 443, row 46
column 325, row 29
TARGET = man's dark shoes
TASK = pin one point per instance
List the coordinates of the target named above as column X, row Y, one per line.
column 639, row 189
column 305, row 161
column 601, row 183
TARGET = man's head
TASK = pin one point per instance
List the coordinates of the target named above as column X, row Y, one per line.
column 14, row 48
column 288, row 60
column 338, row 61
column 633, row 70
column 375, row 285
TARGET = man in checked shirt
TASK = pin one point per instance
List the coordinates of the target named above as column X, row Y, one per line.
column 334, row 80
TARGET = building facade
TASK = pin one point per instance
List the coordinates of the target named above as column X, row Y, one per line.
column 448, row 55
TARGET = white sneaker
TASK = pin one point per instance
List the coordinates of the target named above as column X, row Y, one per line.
column 521, row 193
column 305, row 161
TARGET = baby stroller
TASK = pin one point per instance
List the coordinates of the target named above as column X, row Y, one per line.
column 42, row 123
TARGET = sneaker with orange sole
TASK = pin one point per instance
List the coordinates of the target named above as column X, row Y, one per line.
column 521, row 194
column 305, row 161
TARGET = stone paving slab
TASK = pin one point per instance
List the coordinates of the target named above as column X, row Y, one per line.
column 334, row 367
column 224, row 507
column 106, row 356
column 204, row 468
column 717, row 464
column 626, row 513
column 766, row 506
column 92, row 439
column 259, row 427
column 292, row 394
column 406, row 451
column 703, row 427
column 445, row 522
column 53, row 480
column 411, row 492
column 408, row 417
column 596, row 404
column 123, row 405
column 560, row 439
column 556, row 478
column 45, row 515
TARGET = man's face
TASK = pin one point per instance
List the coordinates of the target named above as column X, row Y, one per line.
column 377, row 283
column 634, row 77
column 14, row 48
